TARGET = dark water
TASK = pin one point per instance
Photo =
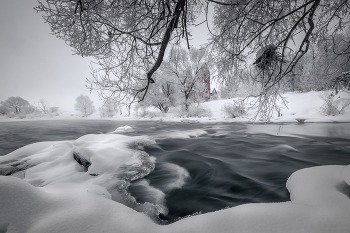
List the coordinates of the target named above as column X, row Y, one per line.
column 231, row 164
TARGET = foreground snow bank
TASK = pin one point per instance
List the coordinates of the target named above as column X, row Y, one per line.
column 81, row 186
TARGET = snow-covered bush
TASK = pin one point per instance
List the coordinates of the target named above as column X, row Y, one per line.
column 155, row 114
column 194, row 110
column 141, row 110
column 214, row 97
column 3, row 109
column 233, row 110
column 54, row 109
column 22, row 116
column 11, row 115
column 145, row 113
column 334, row 105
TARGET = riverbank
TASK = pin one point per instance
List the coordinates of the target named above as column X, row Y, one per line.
column 300, row 107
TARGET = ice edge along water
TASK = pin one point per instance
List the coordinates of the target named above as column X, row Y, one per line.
column 81, row 187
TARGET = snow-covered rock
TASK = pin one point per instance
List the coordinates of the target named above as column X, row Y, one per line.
column 123, row 129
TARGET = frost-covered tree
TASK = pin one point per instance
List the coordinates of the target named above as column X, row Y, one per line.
column 16, row 104
column 325, row 62
column 242, row 29
column 161, row 95
column 128, row 38
column 3, row 109
column 190, row 73
column 334, row 61
column 84, row 105
column 108, row 109
column 42, row 105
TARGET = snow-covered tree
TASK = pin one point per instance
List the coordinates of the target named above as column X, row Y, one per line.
column 190, row 73
column 42, row 105
column 3, row 109
column 162, row 94
column 128, row 39
column 16, row 104
column 108, row 109
column 84, row 105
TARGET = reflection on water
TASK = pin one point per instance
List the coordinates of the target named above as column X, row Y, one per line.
column 207, row 167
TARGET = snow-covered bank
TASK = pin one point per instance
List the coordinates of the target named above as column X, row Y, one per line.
column 75, row 186
column 300, row 106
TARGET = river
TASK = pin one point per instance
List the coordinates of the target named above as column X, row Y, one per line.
column 206, row 167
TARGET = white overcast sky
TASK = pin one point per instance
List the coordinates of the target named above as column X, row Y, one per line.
column 36, row 65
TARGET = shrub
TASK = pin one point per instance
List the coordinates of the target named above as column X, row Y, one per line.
column 199, row 111
column 141, row 111
column 333, row 106
column 22, row 116
column 233, row 110
column 3, row 110
column 54, row 109
column 149, row 114
column 11, row 115
column 155, row 114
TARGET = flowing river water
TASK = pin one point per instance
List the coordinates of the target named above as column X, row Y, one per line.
column 204, row 167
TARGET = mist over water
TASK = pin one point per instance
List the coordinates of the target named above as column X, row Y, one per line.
column 207, row 167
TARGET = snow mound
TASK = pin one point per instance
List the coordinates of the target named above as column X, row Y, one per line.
column 101, row 164
column 24, row 208
column 123, row 129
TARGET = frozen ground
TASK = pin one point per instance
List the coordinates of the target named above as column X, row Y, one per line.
column 300, row 105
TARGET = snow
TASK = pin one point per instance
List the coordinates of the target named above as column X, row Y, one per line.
column 80, row 185
column 25, row 208
column 319, row 203
column 300, row 106
column 68, row 199
column 123, row 129
column 113, row 157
